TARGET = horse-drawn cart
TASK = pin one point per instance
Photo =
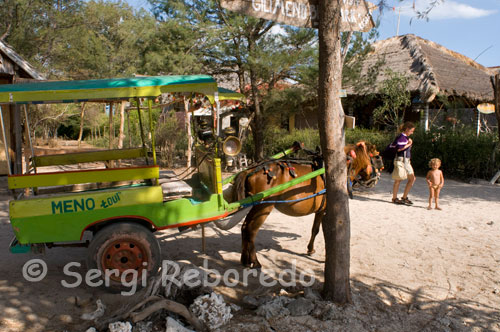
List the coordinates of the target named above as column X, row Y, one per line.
column 120, row 208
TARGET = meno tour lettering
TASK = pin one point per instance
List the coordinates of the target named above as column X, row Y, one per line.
column 73, row 205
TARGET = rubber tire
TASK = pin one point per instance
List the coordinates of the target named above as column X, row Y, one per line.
column 115, row 231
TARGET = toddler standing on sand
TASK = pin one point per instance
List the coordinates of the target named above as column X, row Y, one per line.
column 435, row 180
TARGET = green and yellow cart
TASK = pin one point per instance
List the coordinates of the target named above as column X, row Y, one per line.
column 122, row 207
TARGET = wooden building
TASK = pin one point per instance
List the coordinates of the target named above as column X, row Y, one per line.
column 13, row 69
column 432, row 70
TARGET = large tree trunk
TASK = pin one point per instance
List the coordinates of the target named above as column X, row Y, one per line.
column 257, row 128
column 336, row 223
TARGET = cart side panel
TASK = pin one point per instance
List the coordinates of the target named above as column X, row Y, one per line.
column 64, row 218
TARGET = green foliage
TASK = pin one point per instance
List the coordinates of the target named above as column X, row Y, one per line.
column 463, row 154
column 277, row 139
column 169, row 139
column 395, row 98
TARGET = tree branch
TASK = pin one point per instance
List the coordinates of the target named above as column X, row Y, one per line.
column 6, row 33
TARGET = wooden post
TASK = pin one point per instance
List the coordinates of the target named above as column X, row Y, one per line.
column 18, row 136
column 128, row 126
column 121, row 134
column 478, row 122
column 496, row 88
column 152, row 129
column 336, row 222
column 5, row 141
column 188, row 130
column 29, row 140
column 426, row 117
column 111, row 131
column 142, row 130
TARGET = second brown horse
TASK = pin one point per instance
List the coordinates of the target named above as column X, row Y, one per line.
column 303, row 198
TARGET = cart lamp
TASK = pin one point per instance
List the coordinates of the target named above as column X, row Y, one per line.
column 231, row 146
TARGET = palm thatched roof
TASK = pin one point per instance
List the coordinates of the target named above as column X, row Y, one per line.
column 432, row 69
column 495, row 70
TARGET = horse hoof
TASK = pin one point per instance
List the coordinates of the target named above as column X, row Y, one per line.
column 310, row 252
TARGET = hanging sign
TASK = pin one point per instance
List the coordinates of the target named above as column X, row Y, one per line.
column 304, row 13
column 486, row 108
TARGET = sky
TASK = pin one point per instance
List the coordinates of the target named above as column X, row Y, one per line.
column 471, row 28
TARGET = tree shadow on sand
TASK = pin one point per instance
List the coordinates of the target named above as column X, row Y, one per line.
column 378, row 305
column 179, row 247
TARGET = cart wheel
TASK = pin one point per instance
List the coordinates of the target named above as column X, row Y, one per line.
column 123, row 248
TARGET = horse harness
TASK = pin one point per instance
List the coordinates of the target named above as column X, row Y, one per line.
column 287, row 165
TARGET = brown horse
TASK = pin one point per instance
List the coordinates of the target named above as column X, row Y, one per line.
column 303, row 202
column 363, row 164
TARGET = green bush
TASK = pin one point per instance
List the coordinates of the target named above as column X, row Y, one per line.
column 379, row 138
column 463, row 155
column 277, row 139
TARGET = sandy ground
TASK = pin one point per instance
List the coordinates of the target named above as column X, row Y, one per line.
column 411, row 269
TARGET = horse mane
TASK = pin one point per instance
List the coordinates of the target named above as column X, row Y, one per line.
column 362, row 159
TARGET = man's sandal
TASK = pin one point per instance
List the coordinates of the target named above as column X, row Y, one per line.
column 397, row 201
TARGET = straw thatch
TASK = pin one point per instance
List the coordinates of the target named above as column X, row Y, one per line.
column 432, row 69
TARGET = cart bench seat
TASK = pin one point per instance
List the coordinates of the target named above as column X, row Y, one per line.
column 82, row 176
column 87, row 156
column 173, row 187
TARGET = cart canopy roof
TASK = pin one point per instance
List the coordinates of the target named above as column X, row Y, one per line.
column 226, row 94
column 103, row 90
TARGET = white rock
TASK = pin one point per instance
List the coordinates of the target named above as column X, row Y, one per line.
column 212, row 310
column 101, row 308
column 275, row 308
column 175, row 326
column 120, row 327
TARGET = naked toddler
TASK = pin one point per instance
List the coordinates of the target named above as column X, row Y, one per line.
column 435, row 180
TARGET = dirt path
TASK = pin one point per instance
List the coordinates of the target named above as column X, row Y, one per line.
column 412, row 269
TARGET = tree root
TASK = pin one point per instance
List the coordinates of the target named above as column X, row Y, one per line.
column 172, row 306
